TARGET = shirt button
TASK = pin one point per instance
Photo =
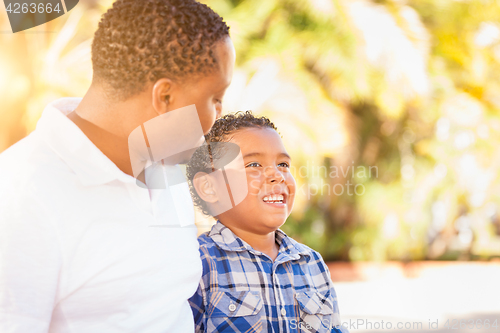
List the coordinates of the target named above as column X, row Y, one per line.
column 283, row 312
column 232, row 307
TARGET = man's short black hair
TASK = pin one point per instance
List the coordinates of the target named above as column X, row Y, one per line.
column 140, row 41
column 203, row 160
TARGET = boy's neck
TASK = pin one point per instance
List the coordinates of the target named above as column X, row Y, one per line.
column 265, row 243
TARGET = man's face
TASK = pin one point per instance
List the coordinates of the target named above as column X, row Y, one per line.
column 173, row 132
column 271, row 186
column 207, row 92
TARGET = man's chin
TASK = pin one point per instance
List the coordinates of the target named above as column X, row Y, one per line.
column 180, row 158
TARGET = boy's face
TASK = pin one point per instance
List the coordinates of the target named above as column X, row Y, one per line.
column 207, row 92
column 271, row 186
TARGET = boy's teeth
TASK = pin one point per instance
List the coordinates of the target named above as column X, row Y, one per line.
column 274, row 198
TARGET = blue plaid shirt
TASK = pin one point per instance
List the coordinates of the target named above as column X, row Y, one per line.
column 243, row 290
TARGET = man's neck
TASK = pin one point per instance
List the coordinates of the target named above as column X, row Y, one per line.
column 114, row 147
column 108, row 124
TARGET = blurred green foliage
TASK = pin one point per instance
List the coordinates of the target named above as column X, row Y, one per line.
column 389, row 109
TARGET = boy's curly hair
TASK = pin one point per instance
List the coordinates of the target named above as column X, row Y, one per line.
column 222, row 131
column 146, row 40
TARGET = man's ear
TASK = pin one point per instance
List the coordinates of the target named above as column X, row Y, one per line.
column 204, row 185
column 162, row 91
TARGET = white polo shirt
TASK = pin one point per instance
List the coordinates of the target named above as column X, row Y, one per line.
column 80, row 245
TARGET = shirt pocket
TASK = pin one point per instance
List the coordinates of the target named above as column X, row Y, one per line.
column 235, row 311
column 318, row 312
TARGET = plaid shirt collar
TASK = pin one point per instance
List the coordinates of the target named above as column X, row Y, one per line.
column 228, row 241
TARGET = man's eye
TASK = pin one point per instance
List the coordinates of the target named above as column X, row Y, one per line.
column 218, row 101
column 284, row 165
column 253, row 164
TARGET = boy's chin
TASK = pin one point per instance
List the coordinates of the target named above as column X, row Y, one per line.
column 254, row 225
column 272, row 225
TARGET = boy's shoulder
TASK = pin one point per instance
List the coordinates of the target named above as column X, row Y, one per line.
column 291, row 245
column 221, row 238
column 205, row 240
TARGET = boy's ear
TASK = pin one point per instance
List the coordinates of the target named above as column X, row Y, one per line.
column 204, row 185
column 162, row 91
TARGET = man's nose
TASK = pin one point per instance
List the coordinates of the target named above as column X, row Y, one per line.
column 218, row 111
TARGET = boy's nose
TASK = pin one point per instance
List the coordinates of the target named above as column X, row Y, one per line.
column 279, row 180
column 276, row 176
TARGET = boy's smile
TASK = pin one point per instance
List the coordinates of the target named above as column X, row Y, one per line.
column 277, row 196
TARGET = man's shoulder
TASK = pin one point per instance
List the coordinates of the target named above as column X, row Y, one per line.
column 19, row 150
column 29, row 165
column 31, row 151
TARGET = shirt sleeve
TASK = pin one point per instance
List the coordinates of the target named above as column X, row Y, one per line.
column 30, row 262
column 198, row 300
column 198, row 307
column 339, row 328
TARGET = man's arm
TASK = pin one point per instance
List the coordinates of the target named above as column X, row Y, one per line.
column 30, row 262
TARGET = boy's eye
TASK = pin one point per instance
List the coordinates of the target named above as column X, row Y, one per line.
column 284, row 165
column 218, row 101
column 253, row 164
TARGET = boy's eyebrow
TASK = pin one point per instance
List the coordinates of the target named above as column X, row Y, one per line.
column 252, row 155
column 260, row 154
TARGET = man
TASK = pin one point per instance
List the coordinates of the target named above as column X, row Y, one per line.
column 78, row 252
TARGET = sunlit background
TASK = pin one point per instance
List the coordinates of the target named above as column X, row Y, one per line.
column 388, row 108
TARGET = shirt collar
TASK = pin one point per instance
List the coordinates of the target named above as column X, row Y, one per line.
column 228, row 241
column 67, row 140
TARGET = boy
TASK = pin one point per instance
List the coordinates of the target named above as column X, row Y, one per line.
column 255, row 277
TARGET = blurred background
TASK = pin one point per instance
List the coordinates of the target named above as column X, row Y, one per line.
column 389, row 109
